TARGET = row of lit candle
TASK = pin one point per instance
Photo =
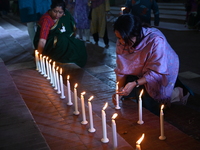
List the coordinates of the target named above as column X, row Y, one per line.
column 45, row 68
column 52, row 74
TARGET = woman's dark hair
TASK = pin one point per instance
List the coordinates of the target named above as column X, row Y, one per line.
column 129, row 26
column 58, row 3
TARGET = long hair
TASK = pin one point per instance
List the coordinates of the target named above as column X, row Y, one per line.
column 129, row 26
column 58, row 3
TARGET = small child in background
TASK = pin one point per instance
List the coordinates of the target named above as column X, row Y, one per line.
column 81, row 13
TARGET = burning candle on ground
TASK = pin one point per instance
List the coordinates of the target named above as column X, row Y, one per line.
column 114, row 130
column 69, row 92
column 162, row 136
column 76, row 112
column 50, row 72
column 41, row 64
column 117, row 96
column 140, row 121
column 138, row 142
column 57, row 80
column 103, row 115
column 83, row 109
column 62, row 96
column 122, row 9
column 37, row 60
column 44, row 66
column 91, row 129
column 47, row 65
column 54, row 76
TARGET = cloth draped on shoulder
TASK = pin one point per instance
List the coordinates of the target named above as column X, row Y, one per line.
column 153, row 59
column 61, row 45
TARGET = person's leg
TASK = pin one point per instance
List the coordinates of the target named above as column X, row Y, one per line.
column 80, row 33
column 96, row 38
column 31, row 31
column 105, row 38
column 87, row 34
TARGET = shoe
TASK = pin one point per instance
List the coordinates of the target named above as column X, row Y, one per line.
column 107, row 46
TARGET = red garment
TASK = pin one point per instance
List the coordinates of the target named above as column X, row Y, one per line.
column 46, row 23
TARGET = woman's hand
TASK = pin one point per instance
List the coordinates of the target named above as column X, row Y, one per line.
column 41, row 45
column 127, row 89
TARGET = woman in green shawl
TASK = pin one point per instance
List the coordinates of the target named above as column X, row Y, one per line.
column 55, row 36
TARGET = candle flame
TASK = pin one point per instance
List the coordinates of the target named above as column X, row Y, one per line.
column 44, row 57
column 105, row 106
column 91, row 97
column 54, row 64
column 57, row 68
column 140, row 140
column 50, row 60
column 40, row 55
column 36, row 52
column 141, row 93
column 60, row 70
column 75, row 86
column 68, row 77
column 122, row 8
column 162, row 106
column 47, row 58
column 83, row 93
column 114, row 116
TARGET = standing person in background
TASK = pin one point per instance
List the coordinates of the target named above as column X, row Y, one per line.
column 4, row 7
column 142, row 9
column 30, row 13
column 98, row 23
column 81, row 13
column 191, row 12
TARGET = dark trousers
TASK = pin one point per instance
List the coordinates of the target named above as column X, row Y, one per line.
column 105, row 37
column 147, row 101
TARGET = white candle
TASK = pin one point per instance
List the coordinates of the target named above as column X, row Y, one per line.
column 91, row 129
column 57, row 80
column 140, row 121
column 103, row 115
column 83, row 109
column 37, row 60
column 138, row 142
column 117, row 96
column 47, row 65
column 69, row 92
column 162, row 136
column 114, row 130
column 41, row 64
column 54, row 76
column 122, row 9
column 62, row 96
column 76, row 112
column 45, row 73
column 50, row 72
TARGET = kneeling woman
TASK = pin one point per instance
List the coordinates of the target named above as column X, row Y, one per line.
column 55, row 36
column 144, row 60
